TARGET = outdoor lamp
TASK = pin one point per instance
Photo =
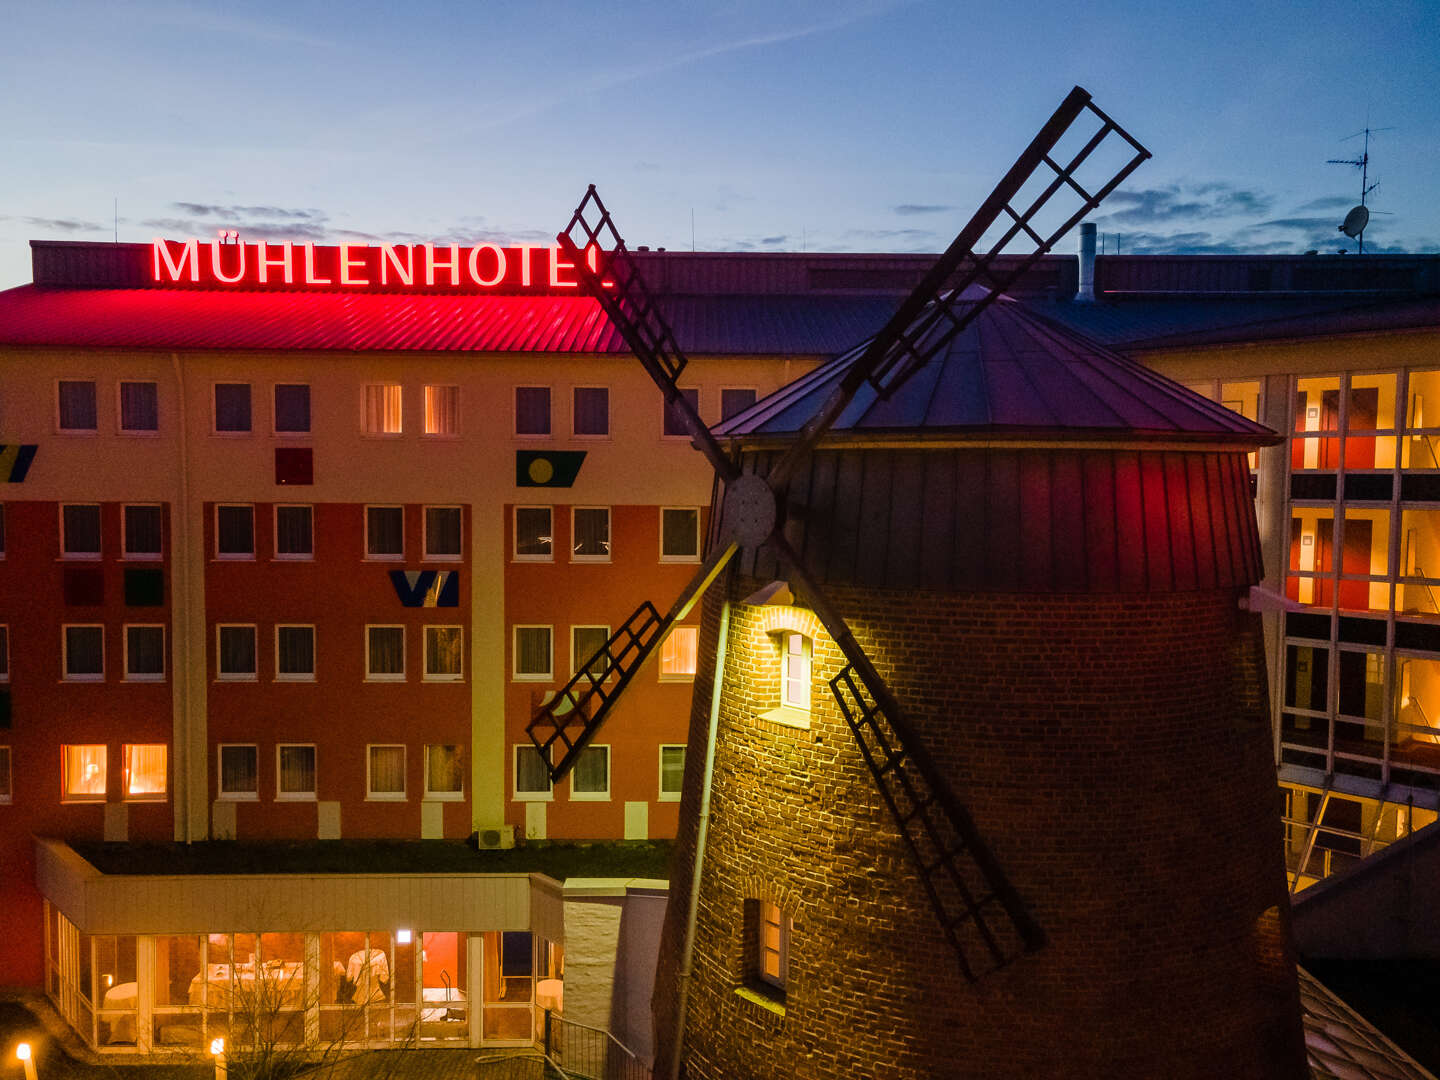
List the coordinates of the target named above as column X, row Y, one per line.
column 217, row 1049
column 23, row 1053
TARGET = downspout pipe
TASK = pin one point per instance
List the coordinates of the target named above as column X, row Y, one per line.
column 687, row 949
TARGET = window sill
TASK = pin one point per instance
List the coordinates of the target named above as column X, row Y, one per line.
column 237, row 677
column 546, row 677
column 82, row 800
column 382, row 434
column 762, row 999
column 293, row 434
column 443, row 679
column 142, row 556
column 455, row 558
column 84, row 678
column 589, row 558
column 400, row 557
column 245, row 434
column 533, row 436
column 668, row 796
column 299, row 796
column 152, row 679
column 382, row 797
column 444, row 796
column 233, row 557
column 533, row 796
column 238, row 796
column 145, row 799
column 787, row 716
column 309, row 556
column 442, row 435
column 84, row 431
column 678, row 678
column 692, row 559
column 295, row 678
column 590, row 796
column 384, row 678
column 141, row 433
column 79, row 556
column 533, row 558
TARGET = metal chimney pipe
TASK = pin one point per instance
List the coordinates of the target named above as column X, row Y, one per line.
column 1086, row 291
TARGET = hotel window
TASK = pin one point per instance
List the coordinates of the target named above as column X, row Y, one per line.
column 232, row 408
column 444, row 772
column 534, row 534
column 239, row 771
column 672, row 772
column 84, row 648
column 795, row 672
column 767, row 931
column 533, row 654
column 590, row 779
column 674, row 422
column 234, row 532
column 735, row 400
column 75, row 405
column 385, row 773
column 144, row 529
column 591, row 413
column 295, row 653
column 295, row 771
column 84, row 769
column 2, row 530
column 292, row 409
column 385, row 653
column 382, row 409
column 145, row 653
column 679, row 534
column 139, row 408
column 532, row 410
column 590, row 534
column 80, row 531
column 585, row 642
column 532, row 775
column 4, row 653
column 442, row 533
column 235, row 652
column 294, row 532
column 384, row 532
column 1420, row 448
column 143, row 772
column 6, row 785
column 443, row 653
column 677, row 654
column 442, row 410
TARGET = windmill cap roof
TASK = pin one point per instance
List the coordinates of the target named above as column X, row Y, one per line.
column 1010, row 375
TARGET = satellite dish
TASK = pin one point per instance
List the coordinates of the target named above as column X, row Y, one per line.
column 1355, row 221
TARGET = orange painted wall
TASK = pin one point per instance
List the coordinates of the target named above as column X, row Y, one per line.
column 339, row 591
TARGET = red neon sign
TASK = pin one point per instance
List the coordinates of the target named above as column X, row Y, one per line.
column 483, row 267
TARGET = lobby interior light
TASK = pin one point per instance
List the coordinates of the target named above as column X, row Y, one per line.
column 217, row 1047
column 23, row 1051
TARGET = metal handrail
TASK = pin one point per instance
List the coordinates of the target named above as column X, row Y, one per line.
column 601, row 1056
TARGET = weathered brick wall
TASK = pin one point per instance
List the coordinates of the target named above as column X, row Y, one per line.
column 1115, row 753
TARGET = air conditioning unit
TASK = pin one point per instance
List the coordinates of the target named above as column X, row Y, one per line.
column 495, row 838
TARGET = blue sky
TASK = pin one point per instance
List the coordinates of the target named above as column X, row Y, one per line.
column 864, row 125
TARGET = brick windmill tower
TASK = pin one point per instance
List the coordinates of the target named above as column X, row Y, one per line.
column 979, row 781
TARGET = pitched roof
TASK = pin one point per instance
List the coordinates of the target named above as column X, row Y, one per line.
column 1009, row 375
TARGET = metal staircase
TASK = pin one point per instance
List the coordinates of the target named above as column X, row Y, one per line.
column 977, row 910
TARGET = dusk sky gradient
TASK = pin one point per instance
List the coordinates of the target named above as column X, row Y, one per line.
column 850, row 125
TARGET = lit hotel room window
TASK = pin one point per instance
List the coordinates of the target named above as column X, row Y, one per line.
column 84, row 768
column 75, row 405
column 443, row 653
column 382, row 409
column 143, row 766
column 385, row 773
column 672, row 772
column 444, row 775
column 772, row 955
column 442, row 410
column 239, row 771
column 677, row 654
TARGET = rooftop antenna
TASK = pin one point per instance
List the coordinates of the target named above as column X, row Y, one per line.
column 1359, row 216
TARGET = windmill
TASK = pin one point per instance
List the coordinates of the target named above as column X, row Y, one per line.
column 980, row 912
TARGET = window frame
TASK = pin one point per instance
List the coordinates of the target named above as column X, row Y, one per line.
column 143, row 676
column 516, row 795
column 665, row 415
column 149, row 796
column 575, row 431
column 609, row 535
column 384, row 676
column 253, row 675
column 516, row 675
column 371, row 795
column 230, row 433
column 364, row 411
column 236, row 796
column 140, row 556
column 425, row 553
column 699, row 538
column 575, row 658
column 675, row 677
column 594, row 796
column 752, row 389
column 457, row 795
column 425, row 431
column 807, row 651
column 66, row 795
column 291, row 433
column 661, row 794
column 290, row 556
column 83, row 556
column 549, row 432
column 60, row 428
column 234, row 556
column 371, row 556
column 442, row 677
column 120, row 427
column 777, row 986
column 313, row 794
column 89, row 676
column 515, row 555
column 293, row 676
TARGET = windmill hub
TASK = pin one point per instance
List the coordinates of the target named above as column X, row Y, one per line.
column 750, row 511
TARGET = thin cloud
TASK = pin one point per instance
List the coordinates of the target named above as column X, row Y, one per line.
column 236, row 213
column 1148, row 206
column 62, row 224
column 1329, row 202
column 906, row 209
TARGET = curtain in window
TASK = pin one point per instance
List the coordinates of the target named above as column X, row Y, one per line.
column 679, row 533
column 592, row 410
column 297, row 770
column 139, row 407
column 292, row 407
column 533, row 645
column 239, row 770
column 592, row 771
column 77, row 406
column 592, row 532
column 385, row 530
column 387, row 770
column 295, row 650
column 672, row 769
column 677, row 655
column 532, row 410
column 531, row 772
column 585, row 641
column 145, row 650
column 442, row 650
column 237, row 650
column 533, row 533
column 235, row 530
column 85, row 770
column 382, row 409
column 82, row 529
column 442, row 530
column 442, row 769
column 442, row 410
column 387, row 650
column 144, row 769
column 84, row 650
column 232, row 406
column 294, row 534
column 142, row 530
